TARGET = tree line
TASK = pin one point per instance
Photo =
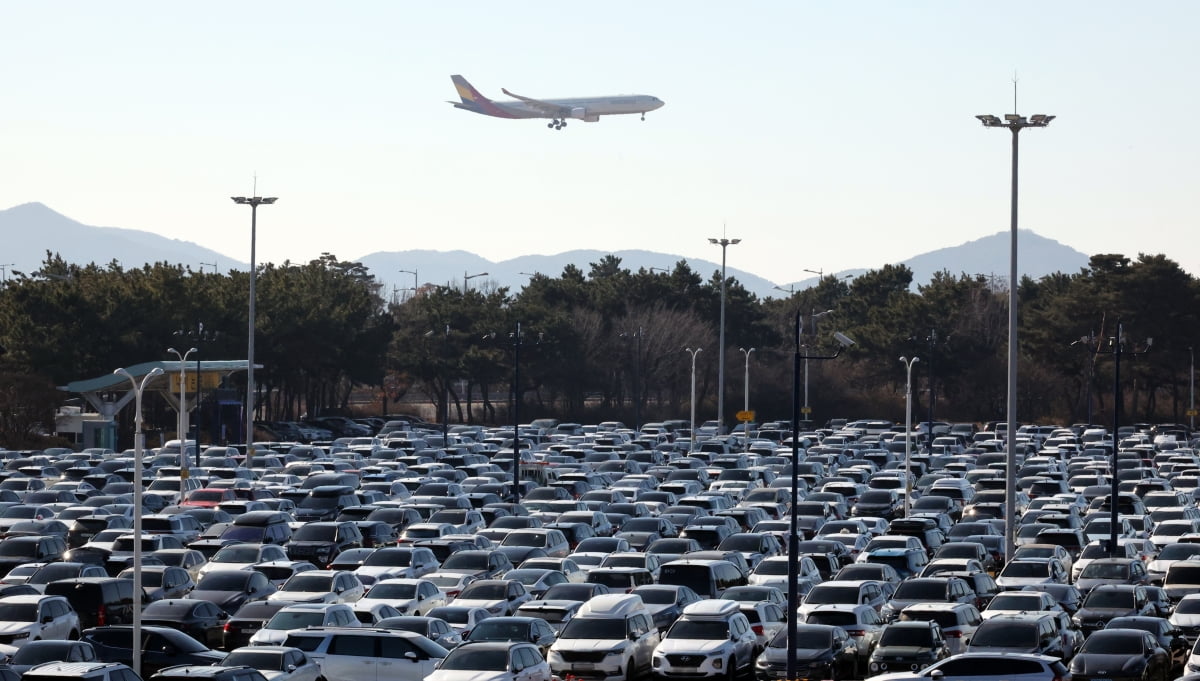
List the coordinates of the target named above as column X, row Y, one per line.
column 610, row 343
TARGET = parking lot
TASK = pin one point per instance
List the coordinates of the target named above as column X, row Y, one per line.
column 402, row 553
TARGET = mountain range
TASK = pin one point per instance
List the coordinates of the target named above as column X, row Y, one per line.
column 29, row 230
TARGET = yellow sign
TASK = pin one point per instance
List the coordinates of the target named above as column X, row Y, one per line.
column 805, row 410
column 745, row 416
column 1192, row 412
column 208, row 381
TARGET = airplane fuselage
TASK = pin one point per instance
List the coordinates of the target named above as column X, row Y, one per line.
column 583, row 108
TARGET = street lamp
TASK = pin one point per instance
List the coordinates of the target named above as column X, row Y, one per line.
column 4, row 271
column 693, row 353
column 254, row 202
column 469, row 277
column 790, row 290
column 813, row 317
column 138, row 446
column 908, row 364
column 200, row 335
column 724, row 244
column 793, row 584
column 183, row 429
column 1192, row 389
column 746, row 387
column 1015, row 123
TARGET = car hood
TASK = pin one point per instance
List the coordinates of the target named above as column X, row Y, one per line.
column 1102, row 613
column 685, row 645
column 219, row 597
column 903, row 651
column 479, row 602
column 1086, row 584
column 15, row 627
column 584, row 644
column 302, row 596
column 802, row 654
column 1091, row 663
column 465, row 675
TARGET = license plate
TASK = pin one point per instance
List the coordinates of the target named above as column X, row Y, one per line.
column 584, row 666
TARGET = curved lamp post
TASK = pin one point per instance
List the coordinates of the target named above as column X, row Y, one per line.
column 692, row 436
column 183, row 459
column 724, row 244
column 138, row 446
column 908, row 364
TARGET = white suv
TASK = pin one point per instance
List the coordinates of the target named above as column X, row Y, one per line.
column 611, row 638
column 36, row 617
column 711, row 639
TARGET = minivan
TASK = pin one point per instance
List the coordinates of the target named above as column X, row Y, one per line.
column 99, row 601
column 709, row 578
column 346, row 654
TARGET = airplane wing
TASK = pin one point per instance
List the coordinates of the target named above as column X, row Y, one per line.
column 546, row 107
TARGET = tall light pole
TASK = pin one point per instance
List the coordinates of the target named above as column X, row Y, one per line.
column 724, row 244
column 1015, row 124
column 693, row 353
column 793, row 583
column 4, row 271
column 637, row 376
column 254, row 202
column 908, row 364
column 469, row 277
column 1191, row 389
column 812, row 318
column 138, row 446
column 183, row 429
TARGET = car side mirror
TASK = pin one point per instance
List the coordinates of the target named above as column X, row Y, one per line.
column 410, row 655
column 291, row 667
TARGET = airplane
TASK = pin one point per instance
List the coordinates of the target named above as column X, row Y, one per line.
column 588, row 109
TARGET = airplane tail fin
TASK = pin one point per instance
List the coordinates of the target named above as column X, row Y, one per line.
column 467, row 92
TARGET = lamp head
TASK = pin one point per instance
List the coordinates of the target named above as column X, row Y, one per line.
column 842, row 339
column 713, row 241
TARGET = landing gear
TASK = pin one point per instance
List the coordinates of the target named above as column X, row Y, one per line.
column 643, row 115
column 557, row 124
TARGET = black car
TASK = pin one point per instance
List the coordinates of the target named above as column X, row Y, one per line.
column 666, row 602
column 822, row 651
column 515, row 629
column 319, row 542
column 1169, row 637
column 1112, row 600
column 1130, row 654
column 161, row 647
column 230, row 589
column 247, row 621
column 908, row 646
column 201, row 620
column 190, row 672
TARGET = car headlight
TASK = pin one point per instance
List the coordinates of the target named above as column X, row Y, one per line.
column 718, row 663
column 23, row 634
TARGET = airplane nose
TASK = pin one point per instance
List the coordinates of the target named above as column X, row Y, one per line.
column 658, row 103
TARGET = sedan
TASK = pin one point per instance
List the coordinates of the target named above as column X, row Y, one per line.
column 201, row 620
column 277, row 663
column 230, row 589
column 161, row 647
column 1130, row 654
column 822, row 652
column 461, row 619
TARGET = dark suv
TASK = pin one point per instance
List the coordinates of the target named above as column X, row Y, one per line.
column 98, row 600
column 325, row 503
column 319, row 542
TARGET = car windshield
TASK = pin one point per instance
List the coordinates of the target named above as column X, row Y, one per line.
column 742, row 542
column 917, row 590
column 45, row 651
column 1005, row 635
column 916, row 637
column 18, row 549
column 529, row 539
column 657, row 596
column 1179, row 551
column 1183, row 574
column 488, row 591
column 1019, row 568
column 1188, row 606
column 772, row 567
column 445, row 580
column 832, row 594
column 18, row 612
column 1109, row 598
column 255, row 660
column 705, row 630
column 808, row 639
column 500, row 630
column 400, row 558
column 466, row 561
column 473, row 659
column 236, row 554
column 245, row 533
column 309, row 582
column 296, row 619
column 1031, row 601
column 315, row 533
column 1113, row 643
column 1105, row 571
column 594, row 628
column 223, row 581
column 393, row 591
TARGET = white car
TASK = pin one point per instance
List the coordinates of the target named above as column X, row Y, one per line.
column 277, row 663
column 451, row 583
column 320, row 586
column 35, row 618
column 409, row 596
column 497, row 596
column 300, row 616
column 242, row 557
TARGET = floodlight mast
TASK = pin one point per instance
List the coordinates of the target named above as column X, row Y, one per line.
column 1015, row 123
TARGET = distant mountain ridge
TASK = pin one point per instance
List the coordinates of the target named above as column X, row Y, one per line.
column 27, row 231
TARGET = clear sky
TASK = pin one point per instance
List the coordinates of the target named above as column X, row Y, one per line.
column 825, row 135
